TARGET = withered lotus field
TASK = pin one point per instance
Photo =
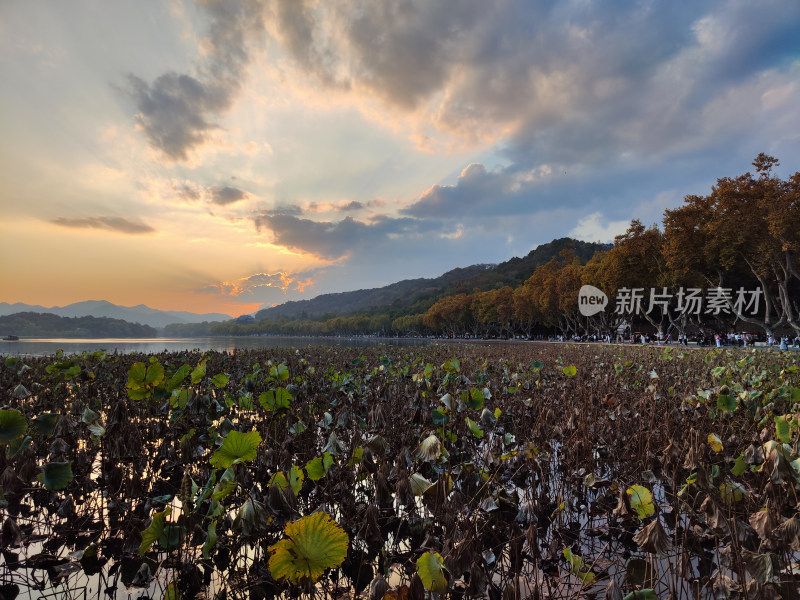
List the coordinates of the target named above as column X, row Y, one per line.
column 462, row 471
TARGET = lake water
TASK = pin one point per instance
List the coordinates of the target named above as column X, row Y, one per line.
column 49, row 346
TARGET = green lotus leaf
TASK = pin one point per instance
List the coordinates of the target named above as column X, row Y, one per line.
column 220, row 380
column 783, row 430
column 312, row 545
column 168, row 535
column 56, row 475
column 296, row 478
column 570, row 371
column 641, row 501
column 199, row 372
column 297, row 428
column 727, row 402
column 237, row 447
column 315, row 469
column 473, row 427
column 45, row 423
column 154, row 531
column 211, row 539
column 645, row 594
column 739, row 466
column 476, row 398
column 172, row 592
column 17, row 446
column 452, row 366
column 155, row 374
column 12, row 425
column 355, row 459
column 732, row 492
column 432, row 572
column 177, row 378
column 279, row 479
column 578, row 568
column 227, row 483
column 277, row 399
column 279, row 373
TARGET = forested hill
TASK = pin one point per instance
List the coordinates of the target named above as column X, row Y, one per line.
column 417, row 295
column 33, row 324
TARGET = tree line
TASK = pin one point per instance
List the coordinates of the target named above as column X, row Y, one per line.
column 33, row 324
column 723, row 261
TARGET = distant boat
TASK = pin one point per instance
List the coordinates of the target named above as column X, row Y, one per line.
column 11, row 338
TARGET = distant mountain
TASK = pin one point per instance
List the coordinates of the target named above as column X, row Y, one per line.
column 417, row 295
column 100, row 308
column 359, row 300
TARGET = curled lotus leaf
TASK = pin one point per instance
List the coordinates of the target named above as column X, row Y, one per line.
column 430, row 449
column 21, row 392
column 312, row 545
column 653, row 539
column 789, row 532
column 419, row 485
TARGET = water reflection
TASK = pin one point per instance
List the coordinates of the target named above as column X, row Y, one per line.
column 49, row 346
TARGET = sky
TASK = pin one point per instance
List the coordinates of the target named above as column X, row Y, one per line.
column 224, row 156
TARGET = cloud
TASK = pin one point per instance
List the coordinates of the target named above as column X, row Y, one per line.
column 176, row 111
column 220, row 195
column 173, row 111
column 227, row 195
column 354, row 205
column 267, row 288
column 553, row 82
column 119, row 224
column 592, row 229
column 479, row 192
column 331, row 240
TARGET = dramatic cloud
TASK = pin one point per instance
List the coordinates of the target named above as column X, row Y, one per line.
column 267, row 288
column 176, row 111
column 554, row 82
column 247, row 285
column 119, row 224
column 333, row 240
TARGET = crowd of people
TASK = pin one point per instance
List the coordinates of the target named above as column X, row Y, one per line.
column 741, row 340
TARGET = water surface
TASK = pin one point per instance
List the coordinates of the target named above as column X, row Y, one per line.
column 49, row 346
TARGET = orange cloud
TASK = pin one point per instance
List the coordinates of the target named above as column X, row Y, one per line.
column 247, row 285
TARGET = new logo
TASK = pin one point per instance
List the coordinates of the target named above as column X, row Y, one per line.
column 591, row 300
